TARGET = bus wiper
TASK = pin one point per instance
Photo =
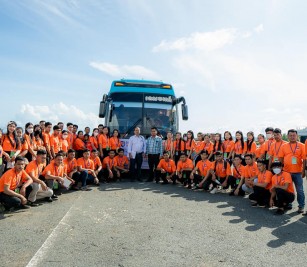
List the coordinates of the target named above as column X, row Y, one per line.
column 132, row 127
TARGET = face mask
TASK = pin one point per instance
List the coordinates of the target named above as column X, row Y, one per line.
column 95, row 134
column 30, row 130
column 65, row 136
column 277, row 170
column 185, row 138
column 268, row 136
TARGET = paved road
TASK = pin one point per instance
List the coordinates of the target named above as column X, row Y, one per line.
column 144, row 224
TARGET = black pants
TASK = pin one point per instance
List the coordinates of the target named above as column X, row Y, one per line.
column 197, row 178
column 198, row 158
column 209, row 181
column 185, row 179
column 161, row 176
column 283, row 198
column 261, row 195
column 136, row 162
column 153, row 161
column 9, row 201
column 106, row 175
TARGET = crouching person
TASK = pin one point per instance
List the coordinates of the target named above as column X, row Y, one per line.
column 201, row 169
column 13, row 185
column 262, row 194
column 86, row 168
column 110, row 172
column 97, row 163
column 166, row 169
column 282, row 190
column 237, row 175
column 184, row 169
column 123, row 165
column 39, row 189
column 250, row 174
column 72, row 170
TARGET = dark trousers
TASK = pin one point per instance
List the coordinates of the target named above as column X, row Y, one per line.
column 161, row 176
column 80, row 177
column 197, row 178
column 209, row 181
column 9, row 201
column 153, row 161
column 261, row 195
column 185, row 179
column 283, row 198
column 136, row 162
column 106, row 175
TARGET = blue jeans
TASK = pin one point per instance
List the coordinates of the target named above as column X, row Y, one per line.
column 298, row 182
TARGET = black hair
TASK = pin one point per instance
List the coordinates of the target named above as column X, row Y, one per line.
column 292, row 131
column 261, row 161
column 48, row 123
column 219, row 147
column 116, row 130
column 276, row 164
column 87, row 128
column 218, row 153
column 94, row 150
column 64, row 131
column 204, row 152
column 27, row 133
column 104, row 127
column 41, row 152
column 42, row 121
column 154, row 128
column 237, row 156
column 277, row 131
column 71, row 151
column 183, row 154
column 79, row 133
column 249, row 143
column 230, row 138
column 19, row 158
column 100, row 125
column 16, row 141
column 112, row 150
column 60, row 122
column 192, row 137
column 59, row 154
column 86, row 150
column 242, row 139
column 56, row 127
column 120, row 150
column 269, row 129
column 95, row 129
column 69, row 124
column 248, row 155
column 76, row 126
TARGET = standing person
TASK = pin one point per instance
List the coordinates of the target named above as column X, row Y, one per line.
column 168, row 144
column 75, row 130
column 23, row 143
column 87, row 130
column 196, row 148
column 39, row 141
column 208, row 146
column 13, row 179
column 293, row 157
column 42, row 125
column 87, row 142
column 104, row 142
column 261, row 141
column 189, row 142
column 228, row 145
column 39, row 188
column 46, row 138
column 282, row 190
column 179, row 147
column 275, row 150
column 79, row 145
column 64, row 141
column 115, row 143
column 217, row 144
column 94, row 139
column 268, row 143
column 154, row 150
column 29, row 138
column 240, row 146
column 136, row 152
column 55, row 142
column 61, row 125
column 250, row 145
column 70, row 139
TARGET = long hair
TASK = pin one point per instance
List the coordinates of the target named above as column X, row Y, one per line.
column 249, row 143
column 16, row 139
column 230, row 138
column 219, row 146
column 27, row 133
column 242, row 139
column 192, row 137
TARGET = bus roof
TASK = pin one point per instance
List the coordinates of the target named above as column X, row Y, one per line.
column 141, row 86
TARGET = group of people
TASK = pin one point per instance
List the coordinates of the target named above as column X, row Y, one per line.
column 37, row 163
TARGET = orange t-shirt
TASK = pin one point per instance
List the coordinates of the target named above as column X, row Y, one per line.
column 108, row 161
column 275, row 150
column 259, row 151
column 34, row 168
column 197, row 146
column 55, row 143
column 293, row 155
column 282, row 179
column 7, row 145
column 179, row 145
column 252, row 150
column 86, row 164
column 12, row 179
column 79, row 144
column 186, row 165
column 54, row 170
column 104, row 141
column 238, row 172
column 267, row 146
column 251, row 171
column 228, row 146
column 64, row 145
column 122, row 161
column 97, row 162
column 30, row 141
column 238, row 149
column 203, row 166
column 265, row 177
column 168, row 166
column 70, row 140
column 168, row 144
column 24, row 146
column 70, row 164
column 208, row 147
column 94, row 141
column 115, row 143
column 188, row 144
column 220, row 169
column 39, row 143
column 46, row 138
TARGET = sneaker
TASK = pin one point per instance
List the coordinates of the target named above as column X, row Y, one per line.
column 261, row 205
column 85, row 188
column 48, row 199
column 300, row 210
column 24, row 207
column 33, row 204
column 213, row 191
column 54, row 197
column 279, row 212
column 255, row 204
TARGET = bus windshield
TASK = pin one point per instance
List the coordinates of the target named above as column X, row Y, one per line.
column 127, row 115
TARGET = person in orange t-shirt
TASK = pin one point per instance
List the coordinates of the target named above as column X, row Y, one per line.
column 79, row 145
column 218, row 143
column 184, row 168
column 115, row 143
column 46, row 138
column 228, row 145
column 261, row 186
column 104, row 142
column 123, row 165
column 250, row 145
column 267, row 145
column 196, row 147
column 250, row 173
column 94, row 139
column 23, row 143
column 178, row 147
column 110, row 172
column 13, row 186
column 168, row 144
column 97, row 163
column 64, row 141
column 240, row 146
column 29, row 138
column 237, row 176
column 71, row 165
column 202, row 168
column 208, row 146
column 293, row 157
column 188, row 142
column 55, row 141
column 166, row 169
column 259, row 150
column 282, row 190
column 39, row 141
column 275, row 150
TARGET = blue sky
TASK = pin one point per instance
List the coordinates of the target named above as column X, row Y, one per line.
column 239, row 64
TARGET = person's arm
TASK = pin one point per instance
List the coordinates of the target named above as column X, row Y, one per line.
column 263, row 185
column 49, row 176
column 37, row 180
column 242, row 180
column 273, row 195
column 304, row 168
column 25, row 185
column 12, row 193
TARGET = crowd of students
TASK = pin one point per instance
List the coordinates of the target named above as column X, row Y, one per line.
column 37, row 162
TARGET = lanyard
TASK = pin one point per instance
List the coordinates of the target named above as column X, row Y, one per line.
column 204, row 166
column 276, row 152
column 293, row 152
column 120, row 161
column 39, row 171
column 18, row 177
column 111, row 162
column 56, row 170
column 87, row 164
column 238, row 147
column 280, row 178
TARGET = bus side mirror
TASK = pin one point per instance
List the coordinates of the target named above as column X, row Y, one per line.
column 185, row 113
column 102, row 109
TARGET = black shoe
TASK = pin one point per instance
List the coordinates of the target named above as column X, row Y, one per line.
column 48, row 199
column 255, row 204
column 58, row 193
column 288, row 207
column 189, row 186
column 149, row 180
column 24, row 207
column 55, row 197
column 33, row 204
column 279, row 212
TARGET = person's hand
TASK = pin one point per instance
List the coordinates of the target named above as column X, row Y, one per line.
column 271, row 202
column 303, row 174
column 224, row 184
column 111, row 174
column 236, row 192
column 23, row 200
column 7, row 158
column 22, row 191
column 44, row 186
column 61, row 180
column 163, row 171
column 96, row 181
column 118, row 173
column 72, row 181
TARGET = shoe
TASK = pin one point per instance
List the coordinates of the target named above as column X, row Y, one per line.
column 255, row 204
column 189, row 186
column 85, row 188
column 279, row 212
column 148, row 180
column 288, row 207
column 304, row 214
column 33, row 204
column 24, row 207
column 213, row 191
column 48, row 199
column 300, row 210
column 261, row 205
column 55, row 197
column 58, row 193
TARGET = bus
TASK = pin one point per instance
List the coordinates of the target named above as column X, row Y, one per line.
column 144, row 104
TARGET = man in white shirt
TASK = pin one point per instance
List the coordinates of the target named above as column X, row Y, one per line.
column 136, row 152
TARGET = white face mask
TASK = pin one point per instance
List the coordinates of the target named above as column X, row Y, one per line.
column 95, row 134
column 269, row 136
column 30, row 130
column 277, row 170
column 185, row 138
column 64, row 136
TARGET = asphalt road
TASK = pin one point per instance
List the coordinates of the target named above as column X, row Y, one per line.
column 144, row 224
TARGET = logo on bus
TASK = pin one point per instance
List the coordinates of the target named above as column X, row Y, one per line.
column 158, row 99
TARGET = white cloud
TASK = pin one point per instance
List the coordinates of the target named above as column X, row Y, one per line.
column 207, row 41
column 259, row 28
column 125, row 71
column 55, row 113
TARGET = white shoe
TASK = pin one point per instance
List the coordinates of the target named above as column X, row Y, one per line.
column 213, row 191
